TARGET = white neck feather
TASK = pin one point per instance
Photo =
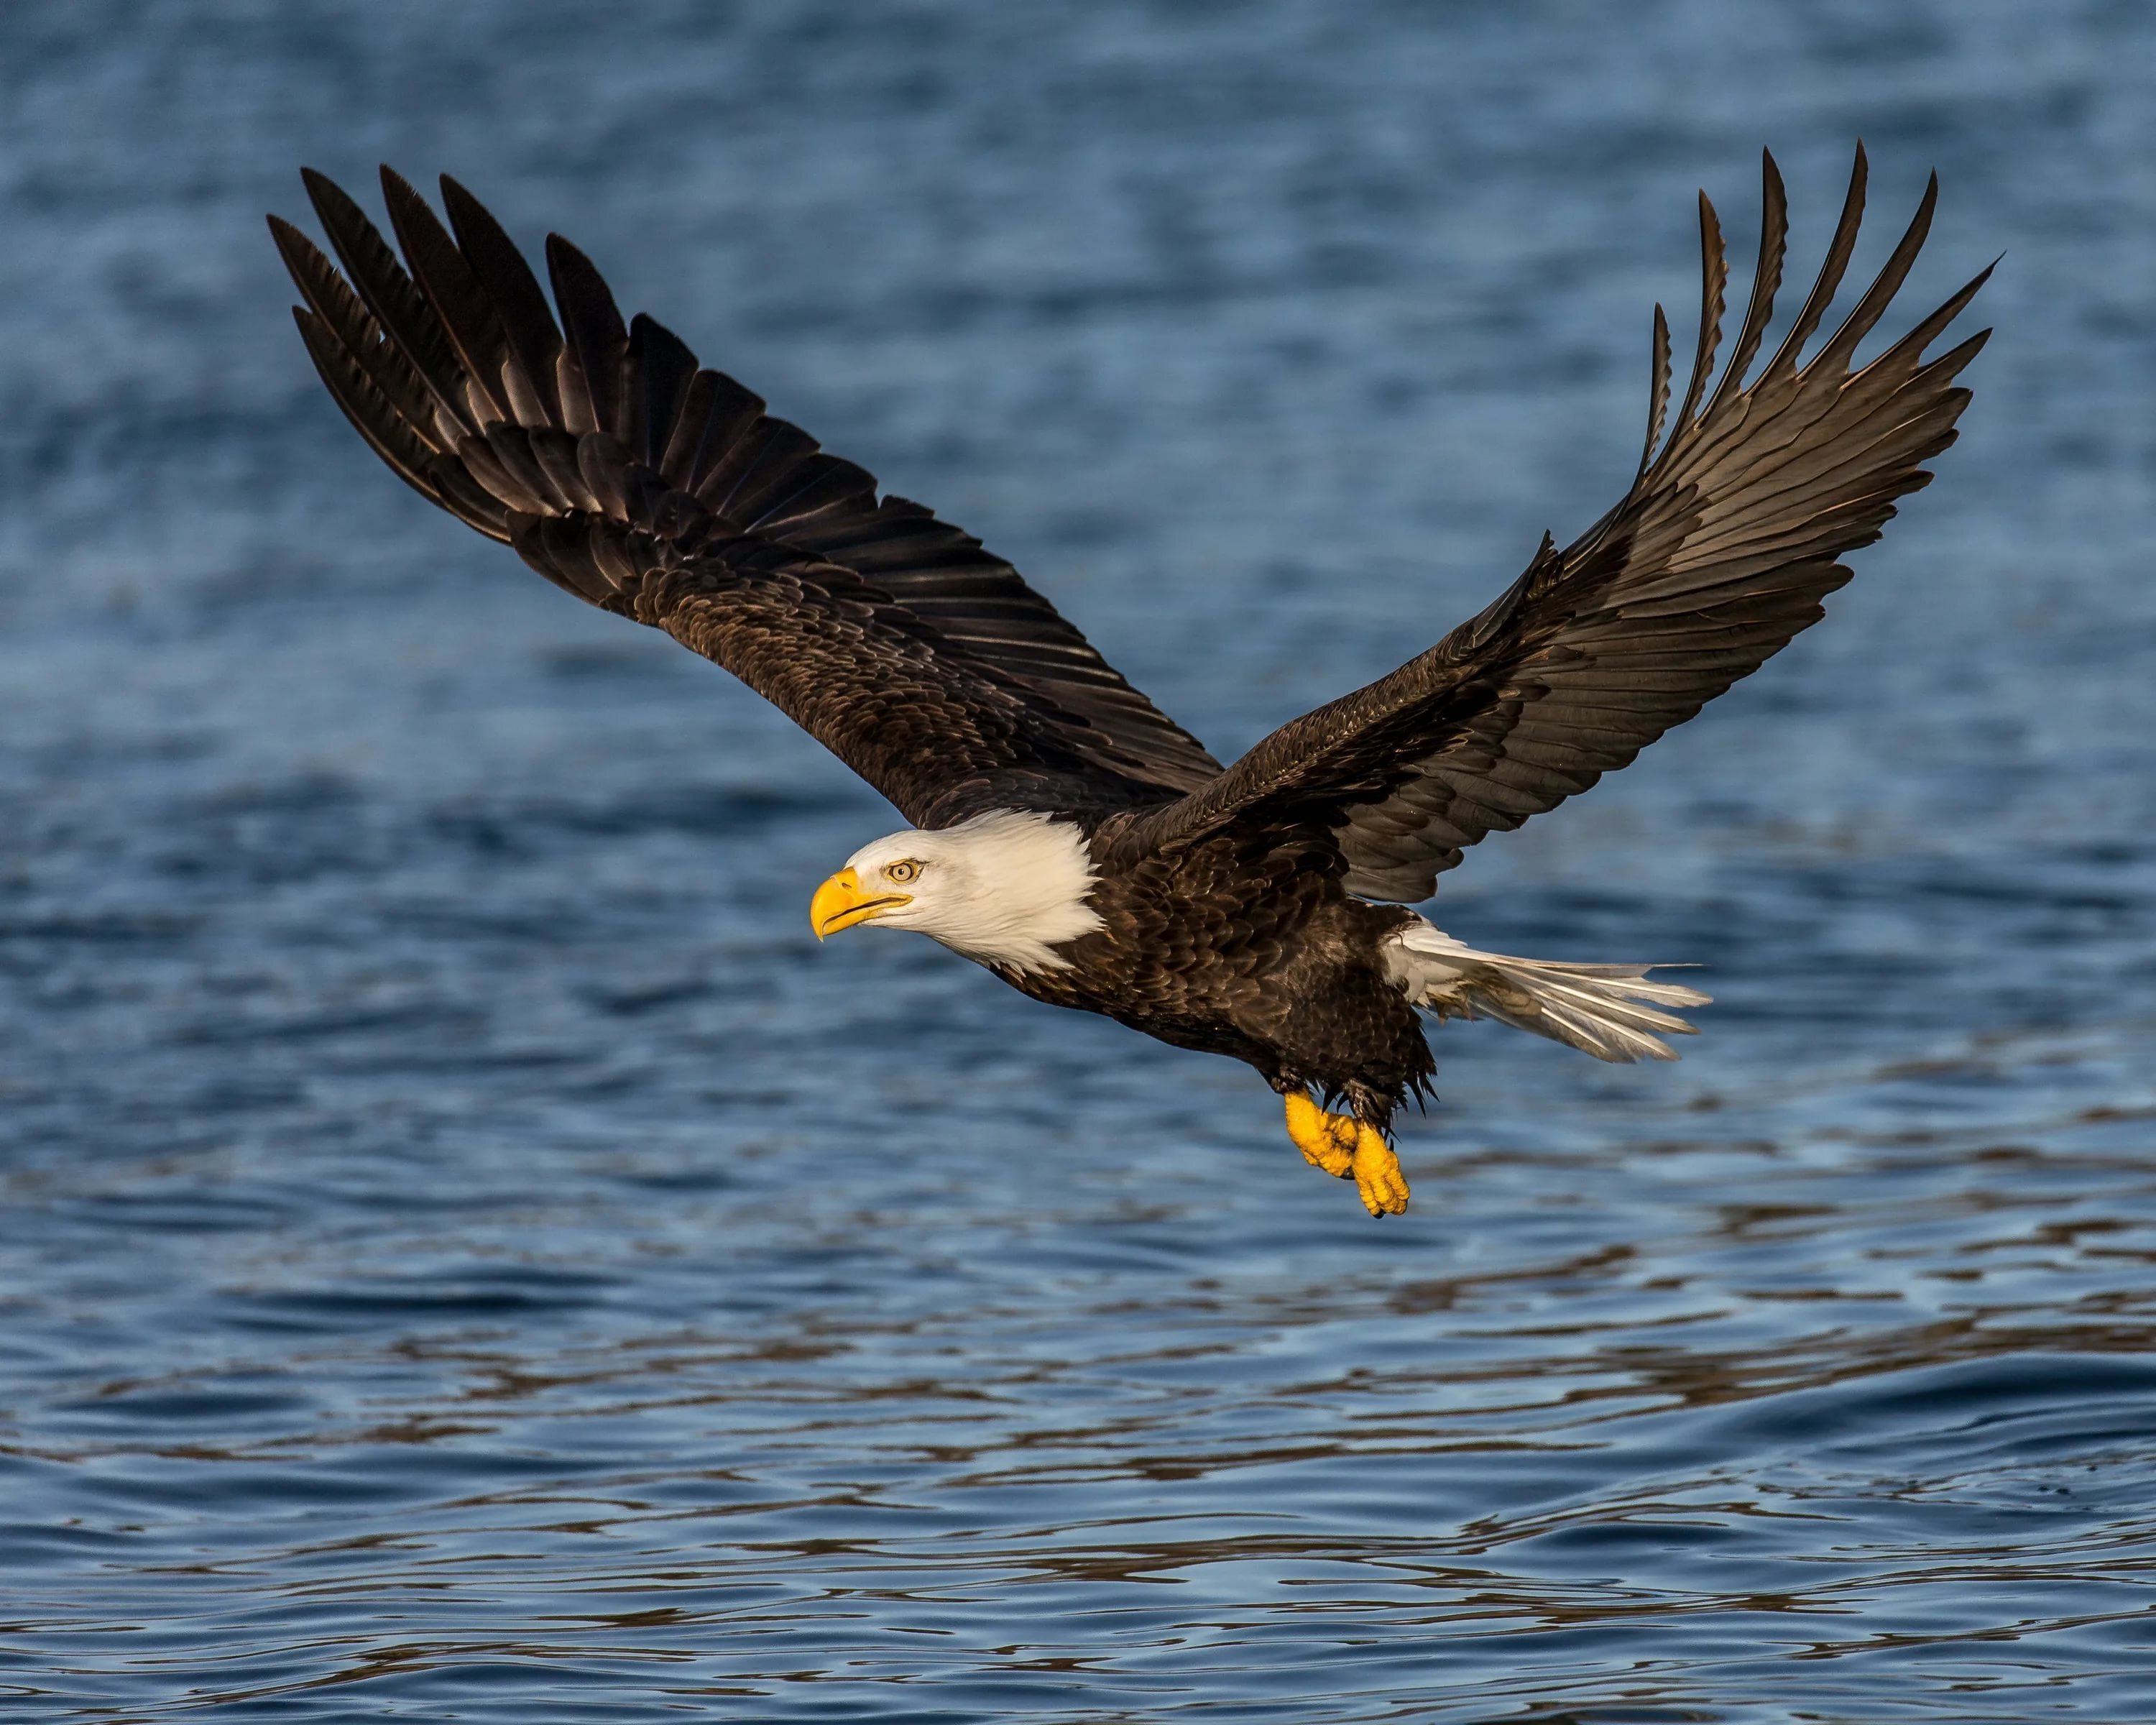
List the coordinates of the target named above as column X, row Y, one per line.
column 1004, row 888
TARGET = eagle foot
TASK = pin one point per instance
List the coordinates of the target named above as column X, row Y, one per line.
column 1327, row 1140
column 1377, row 1177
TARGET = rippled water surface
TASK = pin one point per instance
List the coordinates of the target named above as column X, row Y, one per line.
column 466, row 1253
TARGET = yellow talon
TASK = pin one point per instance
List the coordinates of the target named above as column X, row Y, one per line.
column 1327, row 1140
column 1378, row 1177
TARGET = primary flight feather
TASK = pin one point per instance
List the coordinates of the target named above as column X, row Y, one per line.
column 1067, row 834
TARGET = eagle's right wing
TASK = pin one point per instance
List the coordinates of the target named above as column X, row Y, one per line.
column 624, row 473
column 1719, row 554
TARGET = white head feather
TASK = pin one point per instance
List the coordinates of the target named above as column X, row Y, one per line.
column 1004, row 888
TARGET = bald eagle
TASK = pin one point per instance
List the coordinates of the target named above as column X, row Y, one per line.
column 1066, row 833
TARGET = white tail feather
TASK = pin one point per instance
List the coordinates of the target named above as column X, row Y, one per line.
column 1610, row 1010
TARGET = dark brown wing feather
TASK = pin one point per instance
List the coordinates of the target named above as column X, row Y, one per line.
column 833, row 652
column 611, row 459
column 1721, row 553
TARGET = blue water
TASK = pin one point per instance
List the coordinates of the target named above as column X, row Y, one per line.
column 466, row 1252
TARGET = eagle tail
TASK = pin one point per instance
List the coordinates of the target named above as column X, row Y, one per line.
column 1611, row 1011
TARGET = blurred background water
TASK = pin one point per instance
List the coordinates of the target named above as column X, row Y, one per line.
column 466, row 1253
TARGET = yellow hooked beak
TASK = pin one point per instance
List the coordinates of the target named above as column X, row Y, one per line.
column 840, row 903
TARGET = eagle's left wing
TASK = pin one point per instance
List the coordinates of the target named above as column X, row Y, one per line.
column 653, row 487
column 1720, row 553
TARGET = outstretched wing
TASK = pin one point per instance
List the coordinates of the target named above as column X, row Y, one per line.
column 627, row 474
column 1719, row 554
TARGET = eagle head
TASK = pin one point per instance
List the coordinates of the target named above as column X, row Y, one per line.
column 1005, row 889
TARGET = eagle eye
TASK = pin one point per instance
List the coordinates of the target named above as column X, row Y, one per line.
column 899, row 873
